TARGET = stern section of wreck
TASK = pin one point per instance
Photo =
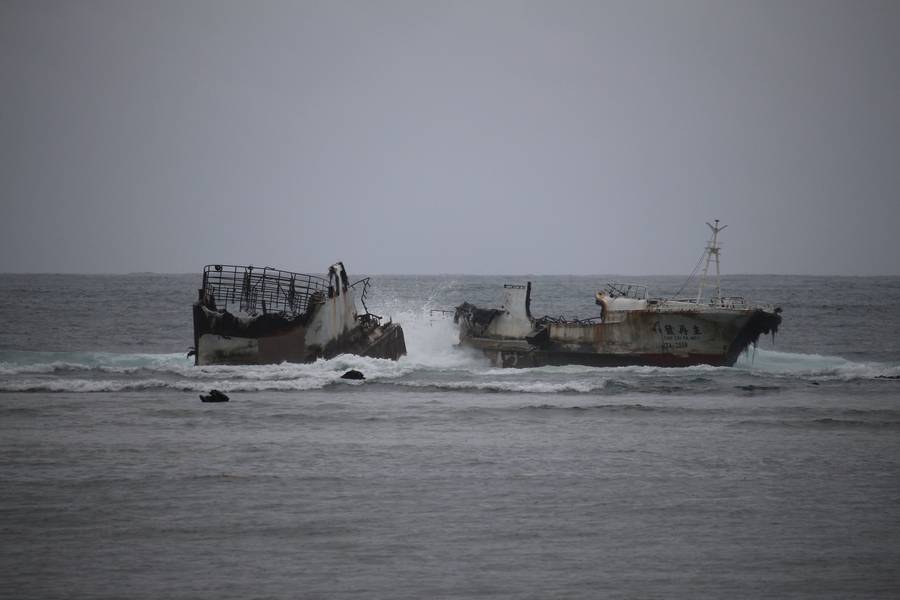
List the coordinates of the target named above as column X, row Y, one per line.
column 246, row 315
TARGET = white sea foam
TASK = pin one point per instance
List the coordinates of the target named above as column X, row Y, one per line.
column 46, row 362
column 814, row 366
column 432, row 342
column 534, row 387
column 300, row 384
column 434, row 360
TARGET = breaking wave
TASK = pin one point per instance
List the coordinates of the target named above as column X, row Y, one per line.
column 813, row 366
column 533, row 387
column 434, row 362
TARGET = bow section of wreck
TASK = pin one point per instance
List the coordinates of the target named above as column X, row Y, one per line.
column 250, row 315
column 630, row 329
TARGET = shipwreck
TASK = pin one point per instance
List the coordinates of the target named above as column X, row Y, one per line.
column 630, row 329
column 246, row 315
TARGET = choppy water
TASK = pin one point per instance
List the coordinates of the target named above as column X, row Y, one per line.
column 440, row 476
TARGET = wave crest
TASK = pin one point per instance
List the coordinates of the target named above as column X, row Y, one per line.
column 434, row 362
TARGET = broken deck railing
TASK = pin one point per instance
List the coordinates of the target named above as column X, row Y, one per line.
column 260, row 290
column 362, row 288
column 635, row 291
column 737, row 302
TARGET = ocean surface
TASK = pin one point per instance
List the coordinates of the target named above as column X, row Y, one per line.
column 440, row 476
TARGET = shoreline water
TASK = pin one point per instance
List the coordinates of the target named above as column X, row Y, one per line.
column 404, row 494
column 440, row 476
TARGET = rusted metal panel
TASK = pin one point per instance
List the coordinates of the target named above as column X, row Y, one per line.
column 259, row 316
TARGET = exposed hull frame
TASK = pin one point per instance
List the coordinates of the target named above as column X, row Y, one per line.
column 318, row 318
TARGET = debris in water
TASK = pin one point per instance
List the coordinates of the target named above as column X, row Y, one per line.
column 214, row 396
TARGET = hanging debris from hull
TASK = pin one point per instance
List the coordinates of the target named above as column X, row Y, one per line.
column 247, row 315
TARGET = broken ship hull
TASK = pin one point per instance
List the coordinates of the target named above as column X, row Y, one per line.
column 263, row 316
column 664, row 334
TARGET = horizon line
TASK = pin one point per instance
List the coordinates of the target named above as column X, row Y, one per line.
column 460, row 274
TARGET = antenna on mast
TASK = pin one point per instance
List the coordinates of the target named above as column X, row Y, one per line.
column 712, row 254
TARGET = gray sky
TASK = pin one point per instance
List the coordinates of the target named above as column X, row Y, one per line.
column 450, row 137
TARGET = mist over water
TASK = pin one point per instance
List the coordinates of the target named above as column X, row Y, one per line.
column 440, row 475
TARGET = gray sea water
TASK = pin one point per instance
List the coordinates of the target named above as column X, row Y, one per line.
column 439, row 476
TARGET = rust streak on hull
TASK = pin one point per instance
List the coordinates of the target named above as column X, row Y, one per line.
column 635, row 332
column 631, row 328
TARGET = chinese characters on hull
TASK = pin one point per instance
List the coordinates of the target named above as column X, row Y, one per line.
column 676, row 336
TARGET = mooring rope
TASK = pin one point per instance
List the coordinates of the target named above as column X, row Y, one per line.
column 691, row 276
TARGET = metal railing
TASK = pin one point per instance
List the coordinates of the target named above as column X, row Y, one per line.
column 260, row 290
column 636, row 291
column 737, row 302
column 361, row 287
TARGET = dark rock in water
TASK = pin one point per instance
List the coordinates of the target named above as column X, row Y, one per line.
column 353, row 374
column 214, row 396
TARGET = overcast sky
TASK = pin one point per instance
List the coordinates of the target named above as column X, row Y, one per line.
column 450, row 137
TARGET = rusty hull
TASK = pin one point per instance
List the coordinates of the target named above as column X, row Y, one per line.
column 511, row 337
column 327, row 326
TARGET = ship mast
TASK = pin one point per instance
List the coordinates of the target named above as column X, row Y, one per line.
column 712, row 254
